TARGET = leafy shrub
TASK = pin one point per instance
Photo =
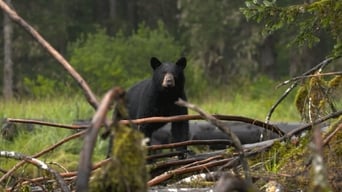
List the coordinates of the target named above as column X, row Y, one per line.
column 40, row 86
column 106, row 61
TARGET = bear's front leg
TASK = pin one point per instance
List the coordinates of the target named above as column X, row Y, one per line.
column 180, row 132
column 147, row 131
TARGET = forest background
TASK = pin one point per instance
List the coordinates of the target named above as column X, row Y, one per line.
column 110, row 43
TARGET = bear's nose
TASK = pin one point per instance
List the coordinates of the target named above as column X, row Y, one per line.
column 168, row 80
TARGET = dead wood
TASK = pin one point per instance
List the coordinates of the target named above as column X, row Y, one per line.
column 37, row 122
column 163, row 155
column 40, row 164
column 190, row 142
column 71, row 174
column 225, row 129
column 90, row 138
column 251, row 121
column 181, row 171
column 161, row 167
column 288, row 90
column 318, row 121
column 202, row 162
column 268, row 126
column 19, row 164
column 329, row 136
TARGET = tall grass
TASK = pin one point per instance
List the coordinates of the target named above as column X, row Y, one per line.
column 64, row 110
column 253, row 100
column 250, row 101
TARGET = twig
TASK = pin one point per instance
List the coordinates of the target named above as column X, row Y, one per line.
column 163, row 155
column 19, row 164
column 90, row 138
column 198, row 164
column 251, row 121
column 40, row 164
column 288, row 90
column 59, row 165
column 318, row 121
column 29, row 121
column 328, row 138
column 54, row 53
column 71, row 174
column 167, row 175
column 222, row 127
column 264, row 125
column 308, row 76
column 190, row 142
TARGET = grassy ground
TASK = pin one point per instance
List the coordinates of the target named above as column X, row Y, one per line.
column 67, row 109
column 58, row 110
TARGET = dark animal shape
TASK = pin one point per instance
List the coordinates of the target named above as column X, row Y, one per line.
column 202, row 130
column 10, row 130
column 156, row 97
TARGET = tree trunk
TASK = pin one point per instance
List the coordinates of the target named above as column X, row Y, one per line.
column 8, row 64
column 267, row 57
column 112, row 9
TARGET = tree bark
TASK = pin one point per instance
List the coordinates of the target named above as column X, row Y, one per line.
column 8, row 64
column 267, row 56
column 112, row 9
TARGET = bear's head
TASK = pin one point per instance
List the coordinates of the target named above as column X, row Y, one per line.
column 168, row 76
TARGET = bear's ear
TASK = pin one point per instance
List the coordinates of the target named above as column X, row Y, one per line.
column 181, row 62
column 155, row 63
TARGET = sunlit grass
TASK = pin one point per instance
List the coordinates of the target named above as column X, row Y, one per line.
column 254, row 100
column 249, row 102
column 64, row 110
column 252, row 108
column 61, row 109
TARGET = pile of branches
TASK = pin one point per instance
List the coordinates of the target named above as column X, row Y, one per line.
column 162, row 171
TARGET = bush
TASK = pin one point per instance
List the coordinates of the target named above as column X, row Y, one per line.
column 106, row 61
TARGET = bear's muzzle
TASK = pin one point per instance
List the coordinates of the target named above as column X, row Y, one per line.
column 168, row 81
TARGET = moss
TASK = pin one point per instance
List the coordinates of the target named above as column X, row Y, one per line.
column 301, row 98
column 335, row 82
column 332, row 157
column 316, row 97
column 126, row 171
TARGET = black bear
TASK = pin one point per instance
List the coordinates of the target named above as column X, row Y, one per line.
column 156, row 97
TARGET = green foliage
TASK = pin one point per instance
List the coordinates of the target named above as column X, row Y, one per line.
column 106, row 61
column 219, row 40
column 309, row 19
column 40, row 86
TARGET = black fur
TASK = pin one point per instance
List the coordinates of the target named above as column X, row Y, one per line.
column 156, row 97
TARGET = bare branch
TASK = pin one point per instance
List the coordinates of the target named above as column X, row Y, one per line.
column 268, row 126
column 225, row 129
column 71, row 174
column 288, row 90
column 90, row 138
column 29, row 121
column 167, row 175
column 190, row 142
column 318, row 121
column 251, row 121
column 40, row 164
column 19, row 164
column 328, row 137
column 308, row 76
